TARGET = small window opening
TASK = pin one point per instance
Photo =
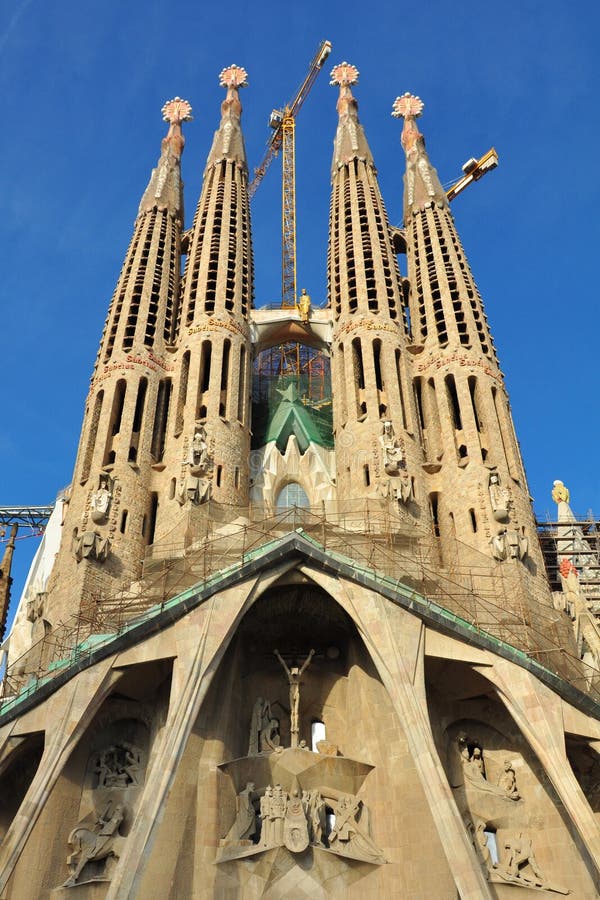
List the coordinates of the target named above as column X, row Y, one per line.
column 434, row 506
column 123, row 522
column 473, row 518
column 317, row 733
column 218, row 475
column 453, row 401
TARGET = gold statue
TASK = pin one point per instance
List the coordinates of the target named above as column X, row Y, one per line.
column 304, row 305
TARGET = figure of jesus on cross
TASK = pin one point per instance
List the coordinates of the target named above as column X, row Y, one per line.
column 294, row 675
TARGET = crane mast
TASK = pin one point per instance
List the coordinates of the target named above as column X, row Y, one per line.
column 283, row 123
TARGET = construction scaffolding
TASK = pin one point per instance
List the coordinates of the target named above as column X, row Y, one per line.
column 578, row 541
column 505, row 603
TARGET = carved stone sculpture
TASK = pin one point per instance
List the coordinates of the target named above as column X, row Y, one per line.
column 198, row 457
column 91, row 545
column 119, row 766
column 267, row 837
column 475, row 775
column 244, row 826
column 294, row 674
column 508, row 781
column 499, row 498
column 391, row 450
column 264, row 729
column 509, row 544
column 194, row 486
column 278, row 806
column 350, row 835
column 520, row 867
column 96, row 843
column 295, row 825
column 101, row 498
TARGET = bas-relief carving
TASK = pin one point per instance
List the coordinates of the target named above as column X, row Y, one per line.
column 195, row 484
column 497, row 815
column 509, row 544
column 91, row 545
column 509, row 858
column 476, row 776
column 114, row 779
column 96, row 843
column 322, row 817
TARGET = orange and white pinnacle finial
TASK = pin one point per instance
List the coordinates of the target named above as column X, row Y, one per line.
column 407, row 105
column 176, row 111
column 344, row 75
column 233, row 77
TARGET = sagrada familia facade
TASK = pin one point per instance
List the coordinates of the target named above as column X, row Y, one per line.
column 295, row 637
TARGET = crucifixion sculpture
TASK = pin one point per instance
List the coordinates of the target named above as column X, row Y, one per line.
column 294, row 674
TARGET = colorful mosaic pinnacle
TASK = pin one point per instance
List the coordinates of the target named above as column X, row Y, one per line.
column 407, row 105
column 233, row 77
column 344, row 74
column 177, row 110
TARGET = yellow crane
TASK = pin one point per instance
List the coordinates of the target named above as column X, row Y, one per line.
column 283, row 123
column 474, row 169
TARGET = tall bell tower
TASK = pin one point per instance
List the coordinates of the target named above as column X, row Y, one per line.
column 111, row 511
column 473, row 471
column 378, row 453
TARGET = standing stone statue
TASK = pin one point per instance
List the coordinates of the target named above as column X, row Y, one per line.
column 499, row 498
column 244, row 827
column 294, row 675
column 261, row 715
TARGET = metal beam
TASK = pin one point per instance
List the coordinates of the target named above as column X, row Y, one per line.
column 25, row 516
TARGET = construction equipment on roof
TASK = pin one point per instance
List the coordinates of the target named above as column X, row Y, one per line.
column 283, row 123
column 474, row 169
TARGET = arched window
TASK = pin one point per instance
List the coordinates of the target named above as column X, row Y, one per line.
column 293, row 494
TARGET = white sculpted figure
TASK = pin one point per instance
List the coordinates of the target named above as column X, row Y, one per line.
column 499, row 498
column 392, row 452
column 100, row 499
column 198, row 457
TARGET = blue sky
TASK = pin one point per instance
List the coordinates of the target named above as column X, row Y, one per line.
column 82, row 85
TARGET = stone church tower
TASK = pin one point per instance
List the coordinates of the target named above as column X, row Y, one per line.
column 298, row 639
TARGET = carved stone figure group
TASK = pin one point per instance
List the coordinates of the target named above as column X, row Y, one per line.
column 272, row 817
column 119, row 765
column 474, row 772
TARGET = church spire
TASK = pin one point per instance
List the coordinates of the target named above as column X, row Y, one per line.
column 421, row 182
column 228, row 142
column 372, row 405
column 350, row 141
column 165, row 190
